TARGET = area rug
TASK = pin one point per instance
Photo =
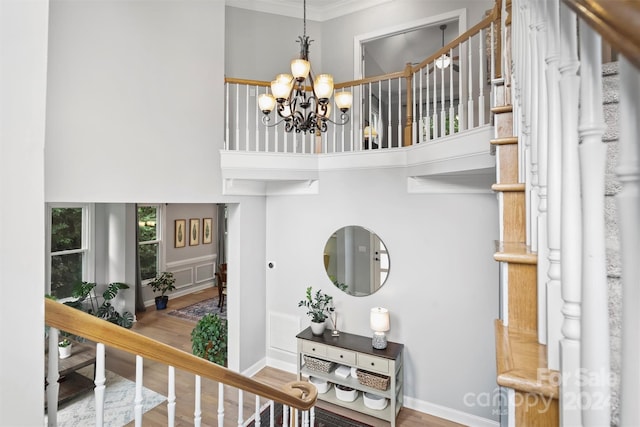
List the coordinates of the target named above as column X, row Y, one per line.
column 323, row 418
column 195, row 312
column 119, row 403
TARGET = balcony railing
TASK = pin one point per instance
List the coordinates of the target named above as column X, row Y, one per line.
column 416, row 105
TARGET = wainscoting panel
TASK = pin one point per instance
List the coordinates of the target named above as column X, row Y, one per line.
column 183, row 276
column 204, row 272
column 283, row 329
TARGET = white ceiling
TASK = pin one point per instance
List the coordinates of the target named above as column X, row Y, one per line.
column 317, row 10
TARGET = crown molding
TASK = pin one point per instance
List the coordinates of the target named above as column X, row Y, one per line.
column 317, row 10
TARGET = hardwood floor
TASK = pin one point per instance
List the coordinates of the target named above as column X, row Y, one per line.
column 176, row 332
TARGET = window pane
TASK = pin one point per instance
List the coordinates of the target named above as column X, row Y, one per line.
column 66, row 229
column 66, row 271
column 148, row 261
column 147, row 220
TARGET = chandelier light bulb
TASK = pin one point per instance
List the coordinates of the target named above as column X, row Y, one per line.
column 344, row 100
column 266, row 102
column 323, row 86
column 300, row 68
column 281, row 86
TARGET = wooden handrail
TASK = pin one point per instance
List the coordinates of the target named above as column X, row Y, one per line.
column 298, row 394
column 616, row 21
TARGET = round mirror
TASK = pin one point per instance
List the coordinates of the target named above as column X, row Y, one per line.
column 356, row 260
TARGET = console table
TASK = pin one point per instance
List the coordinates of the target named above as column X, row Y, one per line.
column 355, row 351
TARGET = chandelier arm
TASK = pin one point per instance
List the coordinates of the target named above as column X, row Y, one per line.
column 267, row 118
column 344, row 117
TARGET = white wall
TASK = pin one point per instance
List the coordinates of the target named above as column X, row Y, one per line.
column 134, row 107
column 23, row 52
column 442, row 286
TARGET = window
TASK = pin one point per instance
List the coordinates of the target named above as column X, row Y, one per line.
column 149, row 240
column 68, row 247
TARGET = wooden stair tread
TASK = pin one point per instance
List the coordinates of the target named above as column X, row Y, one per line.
column 502, row 109
column 505, row 140
column 522, row 362
column 515, row 252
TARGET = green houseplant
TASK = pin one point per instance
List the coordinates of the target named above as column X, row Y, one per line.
column 209, row 339
column 86, row 300
column 319, row 306
column 64, row 348
column 163, row 283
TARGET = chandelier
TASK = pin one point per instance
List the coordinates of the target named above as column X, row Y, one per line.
column 304, row 108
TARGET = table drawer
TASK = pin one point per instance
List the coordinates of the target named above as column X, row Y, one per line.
column 313, row 348
column 373, row 363
column 341, row 355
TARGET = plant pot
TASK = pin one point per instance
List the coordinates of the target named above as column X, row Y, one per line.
column 64, row 352
column 161, row 302
column 317, row 328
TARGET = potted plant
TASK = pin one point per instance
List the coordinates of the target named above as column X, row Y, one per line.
column 64, row 348
column 87, row 301
column 209, row 339
column 319, row 306
column 163, row 284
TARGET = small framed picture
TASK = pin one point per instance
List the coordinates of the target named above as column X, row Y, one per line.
column 180, row 233
column 206, row 230
column 194, row 231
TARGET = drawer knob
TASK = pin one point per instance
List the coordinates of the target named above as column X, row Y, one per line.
column 341, row 356
column 373, row 364
column 313, row 349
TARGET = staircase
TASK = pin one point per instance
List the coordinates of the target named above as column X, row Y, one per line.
column 530, row 389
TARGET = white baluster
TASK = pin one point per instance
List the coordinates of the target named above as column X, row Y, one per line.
column 399, row 112
column 389, row 125
column 380, row 114
column 237, row 119
column 462, row 122
column 312, row 421
column 533, row 97
column 443, row 119
column 470, row 112
column 53, row 375
column 452, row 117
column 434, row 122
column 413, row 106
column 246, row 117
column 138, row 398
column 426, row 130
column 197, row 412
column 628, row 200
column 257, row 421
column 421, row 113
column 99, row 382
column 593, row 152
column 171, row 397
column 272, row 413
column 492, row 50
column 226, row 117
column 220, row 405
column 285, row 416
column 571, row 237
column 256, row 108
column 481, row 77
column 240, row 408
column 554, row 186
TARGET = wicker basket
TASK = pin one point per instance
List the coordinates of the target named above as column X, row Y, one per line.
column 373, row 380
column 318, row 365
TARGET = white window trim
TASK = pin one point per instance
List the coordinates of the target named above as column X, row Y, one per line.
column 160, row 231
column 87, row 243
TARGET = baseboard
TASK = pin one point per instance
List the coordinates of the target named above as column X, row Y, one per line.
column 182, row 292
column 448, row 413
column 411, row 403
column 255, row 368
